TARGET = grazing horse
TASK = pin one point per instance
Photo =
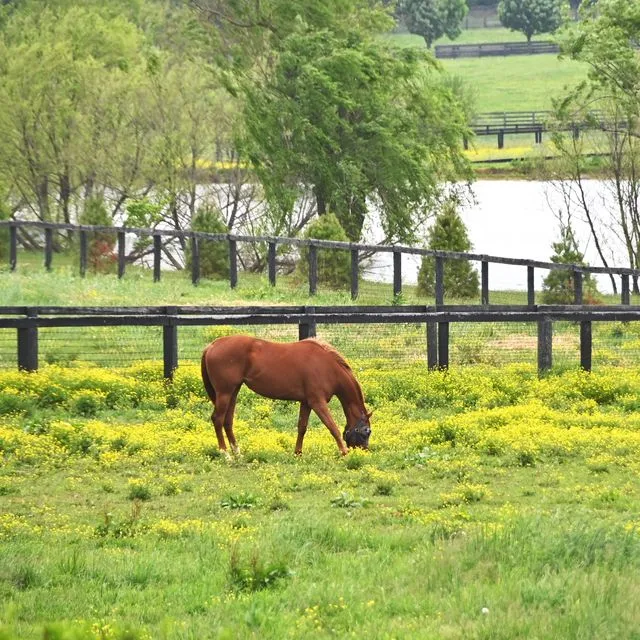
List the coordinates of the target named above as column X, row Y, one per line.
column 309, row 372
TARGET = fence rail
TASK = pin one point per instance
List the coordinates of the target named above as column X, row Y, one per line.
column 356, row 251
column 435, row 318
column 500, row 123
column 495, row 49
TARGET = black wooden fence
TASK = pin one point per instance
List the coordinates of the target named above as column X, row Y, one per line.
column 495, row 49
column 356, row 251
column 28, row 320
column 500, row 123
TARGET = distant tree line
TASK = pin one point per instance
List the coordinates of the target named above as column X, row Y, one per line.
column 259, row 116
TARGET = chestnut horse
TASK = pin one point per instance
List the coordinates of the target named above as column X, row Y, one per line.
column 309, row 372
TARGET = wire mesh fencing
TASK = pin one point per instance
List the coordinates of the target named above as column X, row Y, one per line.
column 380, row 345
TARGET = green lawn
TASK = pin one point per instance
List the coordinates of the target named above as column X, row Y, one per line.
column 468, row 36
column 516, row 83
column 491, row 505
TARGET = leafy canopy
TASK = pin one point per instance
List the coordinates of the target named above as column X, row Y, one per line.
column 357, row 123
column 433, row 19
column 531, row 17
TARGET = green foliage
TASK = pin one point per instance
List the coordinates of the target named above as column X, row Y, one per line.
column 239, row 501
column 531, row 16
column 214, row 256
column 144, row 213
column 449, row 233
column 101, row 243
column 139, row 490
column 558, row 286
column 334, row 266
column 254, row 573
column 433, row 19
column 343, row 117
column 605, row 40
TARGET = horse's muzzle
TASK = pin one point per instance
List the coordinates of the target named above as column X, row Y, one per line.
column 358, row 437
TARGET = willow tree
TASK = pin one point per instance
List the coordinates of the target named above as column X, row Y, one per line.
column 363, row 126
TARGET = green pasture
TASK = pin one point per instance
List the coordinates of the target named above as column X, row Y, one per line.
column 491, row 505
column 468, row 36
column 515, row 83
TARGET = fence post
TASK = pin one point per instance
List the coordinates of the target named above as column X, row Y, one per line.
column 439, row 280
column 354, row 274
column 233, row 263
column 545, row 344
column 28, row 344
column 577, row 287
column 442, row 327
column 443, row 345
column 13, row 247
column 48, row 248
column 195, row 260
column 625, row 296
column 121, row 247
column 585, row 345
column 531, row 287
column 170, row 343
column 271, row 256
column 501, row 139
column 157, row 248
column 397, row 273
column 307, row 327
column 485, row 282
column 313, row 269
column 83, row 254
column 432, row 345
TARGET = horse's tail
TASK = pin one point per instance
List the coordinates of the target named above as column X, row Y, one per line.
column 211, row 392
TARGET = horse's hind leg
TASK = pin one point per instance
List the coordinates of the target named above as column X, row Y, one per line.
column 303, row 421
column 218, row 417
column 228, row 421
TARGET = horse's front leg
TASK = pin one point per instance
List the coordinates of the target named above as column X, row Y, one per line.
column 303, row 421
column 322, row 409
column 228, row 422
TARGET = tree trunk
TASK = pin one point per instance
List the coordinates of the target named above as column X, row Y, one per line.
column 321, row 201
column 42, row 194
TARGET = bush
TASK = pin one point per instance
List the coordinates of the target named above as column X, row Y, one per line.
column 558, row 286
column 214, row 256
column 449, row 233
column 101, row 255
column 334, row 266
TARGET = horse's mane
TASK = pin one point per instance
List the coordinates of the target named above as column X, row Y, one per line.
column 341, row 361
column 332, row 350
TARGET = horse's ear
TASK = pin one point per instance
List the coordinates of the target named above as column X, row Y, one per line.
column 369, row 414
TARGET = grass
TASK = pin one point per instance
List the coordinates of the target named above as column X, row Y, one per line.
column 516, row 83
column 492, row 505
column 467, row 36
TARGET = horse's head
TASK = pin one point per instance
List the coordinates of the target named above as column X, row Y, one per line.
column 358, row 434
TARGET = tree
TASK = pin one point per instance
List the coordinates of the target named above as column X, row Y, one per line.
column 559, row 286
column 531, row 16
column 449, row 233
column 214, row 256
column 605, row 40
column 360, row 125
column 433, row 19
column 333, row 264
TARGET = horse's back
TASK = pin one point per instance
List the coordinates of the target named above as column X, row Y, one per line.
column 277, row 370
